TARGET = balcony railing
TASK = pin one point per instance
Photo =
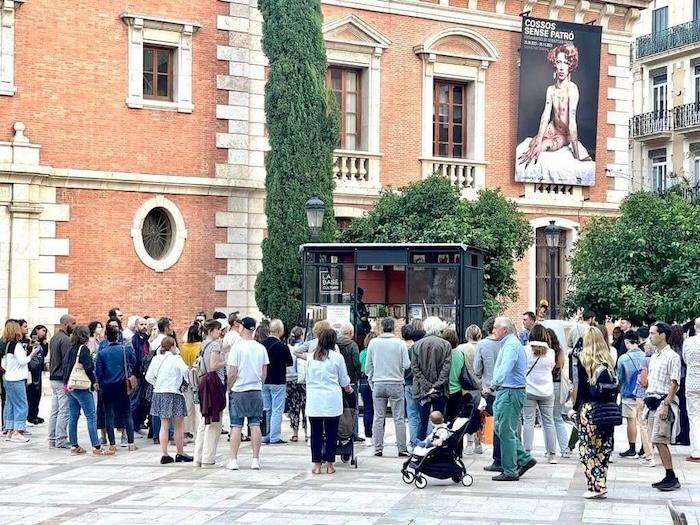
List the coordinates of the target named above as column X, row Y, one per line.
column 355, row 169
column 690, row 192
column 686, row 116
column 671, row 38
column 651, row 123
column 468, row 176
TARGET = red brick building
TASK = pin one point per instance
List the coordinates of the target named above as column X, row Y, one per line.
column 132, row 138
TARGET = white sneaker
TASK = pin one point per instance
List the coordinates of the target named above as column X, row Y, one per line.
column 232, row 464
column 552, row 459
column 478, row 449
column 647, row 462
column 589, row 494
column 566, row 454
column 18, row 438
column 368, row 442
column 469, row 449
column 255, row 464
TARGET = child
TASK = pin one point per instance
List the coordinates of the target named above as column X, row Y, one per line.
column 437, row 437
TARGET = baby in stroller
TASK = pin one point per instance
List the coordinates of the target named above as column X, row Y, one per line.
column 440, row 455
column 440, row 433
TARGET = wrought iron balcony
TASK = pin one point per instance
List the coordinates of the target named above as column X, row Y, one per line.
column 686, row 117
column 671, row 38
column 649, row 125
column 690, row 192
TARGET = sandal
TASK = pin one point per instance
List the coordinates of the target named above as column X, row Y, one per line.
column 76, row 450
column 330, row 469
column 294, row 439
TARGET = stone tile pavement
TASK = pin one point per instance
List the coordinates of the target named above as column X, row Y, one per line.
column 42, row 486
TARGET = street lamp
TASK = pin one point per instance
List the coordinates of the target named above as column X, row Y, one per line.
column 551, row 234
column 315, row 209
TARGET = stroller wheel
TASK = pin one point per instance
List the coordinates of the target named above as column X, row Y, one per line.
column 345, row 458
column 408, row 478
column 421, row 482
column 456, row 479
column 467, row 480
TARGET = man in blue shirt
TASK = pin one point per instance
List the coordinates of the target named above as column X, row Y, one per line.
column 509, row 380
column 529, row 320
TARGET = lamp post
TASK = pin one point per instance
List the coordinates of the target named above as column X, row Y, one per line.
column 315, row 209
column 551, row 234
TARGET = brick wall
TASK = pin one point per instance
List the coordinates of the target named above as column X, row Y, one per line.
column 105, row 271
column 71, row 73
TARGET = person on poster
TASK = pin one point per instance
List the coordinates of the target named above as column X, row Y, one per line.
column 558, row 129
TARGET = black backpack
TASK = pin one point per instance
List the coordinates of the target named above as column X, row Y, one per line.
column 606, row 414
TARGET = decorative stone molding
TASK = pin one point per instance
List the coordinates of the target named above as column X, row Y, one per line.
column 500, row 6
column 179, row 233
column 19, row 151
column 632, row 15
column 468, row 64
column 7, row 46
column 554, row 7
column 582, row 7
column 606, row 11
column 166, row 32
column 528, row 5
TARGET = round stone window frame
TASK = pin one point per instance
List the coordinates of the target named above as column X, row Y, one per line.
column 177, row 244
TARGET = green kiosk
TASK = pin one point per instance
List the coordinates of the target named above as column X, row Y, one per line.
column 361, row 283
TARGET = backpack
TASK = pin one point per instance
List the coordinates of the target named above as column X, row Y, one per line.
column 605, row 413
column 198, row 368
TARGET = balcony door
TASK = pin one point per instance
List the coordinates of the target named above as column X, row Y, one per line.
column 659, row 19
column 658, row 170
column 345, row 84
column 449, row 119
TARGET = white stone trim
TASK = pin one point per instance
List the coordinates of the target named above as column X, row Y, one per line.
column 471, row 69
column 565, row 224
column 175, row 34
column 179, row 233
column 375, row 38
column 7, row 46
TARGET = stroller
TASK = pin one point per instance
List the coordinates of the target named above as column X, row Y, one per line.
column 446, row 461
column 345, row 446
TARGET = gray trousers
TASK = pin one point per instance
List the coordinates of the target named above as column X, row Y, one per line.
column 394, row 394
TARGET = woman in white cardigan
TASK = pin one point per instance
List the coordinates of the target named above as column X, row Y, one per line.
column 166, row 373
column 540, row 390
column 15, row 361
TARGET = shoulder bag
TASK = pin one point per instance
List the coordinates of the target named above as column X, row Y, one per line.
column 131, row 382
column 605, row 413
column 78, row 379
column 533, row 365
column 467, row 380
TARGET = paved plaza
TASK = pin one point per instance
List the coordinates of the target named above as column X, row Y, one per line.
column 51, row 487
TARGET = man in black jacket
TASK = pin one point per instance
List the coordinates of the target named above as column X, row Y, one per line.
column 274, row 390
column 59, row 346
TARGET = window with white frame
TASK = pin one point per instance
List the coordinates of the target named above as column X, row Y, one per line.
column 696, row 83
column 659, row 89
column 659, row 168
column 346, row 85
column 695, row 157
column 159, row 233
column 160, row 62
column 7, row 47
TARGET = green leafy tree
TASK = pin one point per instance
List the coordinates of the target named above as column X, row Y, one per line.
column 643, row 264
column 431, row 211
column 303, row 132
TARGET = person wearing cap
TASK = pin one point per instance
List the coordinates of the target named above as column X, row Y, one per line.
column 629, row 366
column 247, row 369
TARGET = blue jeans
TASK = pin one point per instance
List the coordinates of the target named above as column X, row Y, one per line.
column 82, row 400
column 367, row 406
column 413, row 415
column 16, row 407
column 274, row 397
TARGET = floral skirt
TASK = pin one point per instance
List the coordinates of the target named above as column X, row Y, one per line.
column 595, row 449
column 168, row 405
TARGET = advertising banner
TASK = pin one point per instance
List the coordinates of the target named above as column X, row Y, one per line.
column 558, row 103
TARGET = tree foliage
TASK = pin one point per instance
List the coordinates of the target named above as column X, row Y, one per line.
column 431, row 211
column 643, row 264
column 303, row 132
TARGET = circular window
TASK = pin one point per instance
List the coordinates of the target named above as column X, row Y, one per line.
column 157, row 233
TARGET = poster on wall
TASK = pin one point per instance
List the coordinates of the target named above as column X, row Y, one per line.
column 558, row 103
column 337, row 315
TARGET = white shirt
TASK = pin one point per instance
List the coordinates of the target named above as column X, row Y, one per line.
column 539, row 380
column 249, row 357
column 324, row 379
column 230, row 339
column 691, row 356
column 16, row 368
column 157, row 342
column 166, row 373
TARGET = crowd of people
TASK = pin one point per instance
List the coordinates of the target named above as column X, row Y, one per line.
column 143, row 379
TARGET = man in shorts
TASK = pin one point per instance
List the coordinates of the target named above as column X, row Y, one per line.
column 247, row 369
column 663, row 380
column 629, row 366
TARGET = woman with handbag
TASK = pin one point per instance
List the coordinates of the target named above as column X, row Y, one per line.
column 79, row 378
column 454, row 388
column 14, row 362
column 167, row 374
column 113, row 365
column 594, row 402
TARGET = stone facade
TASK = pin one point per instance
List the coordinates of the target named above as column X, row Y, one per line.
column 85, row 161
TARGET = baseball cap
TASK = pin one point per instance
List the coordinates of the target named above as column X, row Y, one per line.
column 248, row 323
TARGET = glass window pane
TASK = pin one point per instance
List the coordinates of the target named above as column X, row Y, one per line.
column 351, row 142
column 350, row 123
column 443, row 93
column 147, row 59
column 442, row 150
column 443, row 132
column 457, row 134
column 351, row 81
column 163, row 60
column 147, row 84
column 457, row 114
column 433, row 286
column 163, row 85
column 457, row 94
column 351, row 103
column 457, row 151
column 444, row 110
column 336, row 79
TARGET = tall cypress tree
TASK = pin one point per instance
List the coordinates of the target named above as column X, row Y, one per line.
column 303, row 132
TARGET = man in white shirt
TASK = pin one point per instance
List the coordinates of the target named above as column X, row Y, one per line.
column 691, row 356
column 247, row 369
